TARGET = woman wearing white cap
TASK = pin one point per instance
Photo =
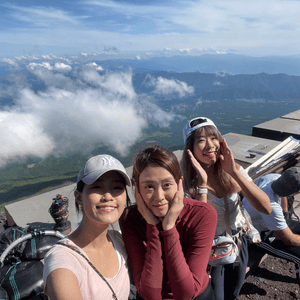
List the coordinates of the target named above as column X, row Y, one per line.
column 211, row 175
column 90, row 263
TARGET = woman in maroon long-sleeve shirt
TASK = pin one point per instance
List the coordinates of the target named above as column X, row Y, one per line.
column 168, row 238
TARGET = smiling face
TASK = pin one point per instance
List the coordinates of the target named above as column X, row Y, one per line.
column 206, row 147
column 157, row 187
column 104, row 200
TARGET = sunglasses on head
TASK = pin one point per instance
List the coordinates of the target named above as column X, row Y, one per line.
column 197, row 122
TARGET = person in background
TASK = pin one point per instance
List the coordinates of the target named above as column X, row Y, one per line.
column 280, row 235
column 210, row 175
column 168, row 238
column 100, row 195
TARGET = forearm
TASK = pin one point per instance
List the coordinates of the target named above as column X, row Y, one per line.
column 180, row 277
column 187, row 271
column 146, row 262
column 288, row 237
column 284, row 204
column 201, row 197
column 256, row 197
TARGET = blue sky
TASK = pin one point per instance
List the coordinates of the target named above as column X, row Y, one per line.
column 123, row 27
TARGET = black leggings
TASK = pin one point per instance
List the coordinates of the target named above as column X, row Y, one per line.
column 207, row 294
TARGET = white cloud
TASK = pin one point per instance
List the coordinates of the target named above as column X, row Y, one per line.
column 62, row 67
column 20, row 57
column 217, row 83
column 258, row 27
column 76, row 114
column 46, row 57
column 187, row 50
column 45, row 65
column 94, row 66
column 221, row 74
column 48, row 66
column 10, row 61
column 22, row 135
column 168, row 86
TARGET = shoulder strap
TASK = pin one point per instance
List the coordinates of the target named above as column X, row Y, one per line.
column 114, row 296
column 227, row 218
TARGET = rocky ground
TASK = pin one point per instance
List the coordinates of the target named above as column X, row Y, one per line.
column 275, row 278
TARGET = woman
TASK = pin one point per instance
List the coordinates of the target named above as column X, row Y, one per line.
column 210, row 175
column 100, row 196
column 168, row 238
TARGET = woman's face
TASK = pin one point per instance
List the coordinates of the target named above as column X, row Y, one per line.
column 104, row 200
column 157, row 187
column 206, row 147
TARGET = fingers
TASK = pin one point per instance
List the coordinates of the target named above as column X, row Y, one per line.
column 194, row 161
column 180, row 186
column 180, row 193
column 225, row 148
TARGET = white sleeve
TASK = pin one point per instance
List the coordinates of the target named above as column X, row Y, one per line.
column 60, row 257
column 275, row 220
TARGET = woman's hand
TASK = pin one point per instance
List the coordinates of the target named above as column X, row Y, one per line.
column 169, row 220
column 144, row 210
column 227, row 159
column 201, row 174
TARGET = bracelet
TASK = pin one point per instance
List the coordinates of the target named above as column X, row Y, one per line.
column 201, row 190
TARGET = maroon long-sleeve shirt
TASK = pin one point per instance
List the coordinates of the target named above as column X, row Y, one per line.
column 171, row 264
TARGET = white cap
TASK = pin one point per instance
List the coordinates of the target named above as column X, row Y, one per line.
column 194, row 124
column 98, row 165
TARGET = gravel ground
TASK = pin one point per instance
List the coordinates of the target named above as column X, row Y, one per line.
column 275, row 278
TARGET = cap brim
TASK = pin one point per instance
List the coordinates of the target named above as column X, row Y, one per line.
column 93, row 176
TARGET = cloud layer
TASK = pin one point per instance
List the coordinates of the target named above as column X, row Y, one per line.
column 74, row 111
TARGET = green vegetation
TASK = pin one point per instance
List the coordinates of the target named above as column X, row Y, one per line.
column 30, row 177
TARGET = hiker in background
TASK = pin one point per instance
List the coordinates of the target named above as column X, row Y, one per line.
column 280, row 235
column 211, row 175
column 168, row 238
column 68, row 274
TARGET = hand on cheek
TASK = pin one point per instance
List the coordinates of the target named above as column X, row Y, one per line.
column 144, row 210
column 175, row 209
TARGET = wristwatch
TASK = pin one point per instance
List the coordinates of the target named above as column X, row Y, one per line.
column 201, row 190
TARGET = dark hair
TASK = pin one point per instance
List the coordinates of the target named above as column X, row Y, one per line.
column 189, row 173
column 80, row 187
column 159, row 156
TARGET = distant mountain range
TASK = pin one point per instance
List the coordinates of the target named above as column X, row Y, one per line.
column 228, row 63
column 277, row 87
column 207, row 86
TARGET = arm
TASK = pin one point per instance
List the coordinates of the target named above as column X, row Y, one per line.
column 62, row 284
column 201, row 175
column 284, row 204
column 288, row 237
column 256, row 197
column 145, row 258
column 187, row 271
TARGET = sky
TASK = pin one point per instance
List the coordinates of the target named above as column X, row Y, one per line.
column 131, row 28
column 63, row 101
